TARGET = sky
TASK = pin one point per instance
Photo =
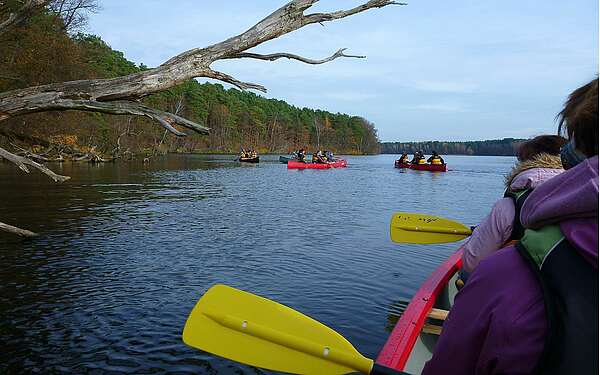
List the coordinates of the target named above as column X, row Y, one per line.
column 435, row 70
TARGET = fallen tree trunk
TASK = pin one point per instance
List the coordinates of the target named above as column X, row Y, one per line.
column 22, row 163
column 17, row 231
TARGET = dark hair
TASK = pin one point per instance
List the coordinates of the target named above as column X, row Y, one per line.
column 579, row 118
column 543, row 144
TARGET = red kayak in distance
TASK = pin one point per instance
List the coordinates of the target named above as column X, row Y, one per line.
column 422, row 167
column 340, row 163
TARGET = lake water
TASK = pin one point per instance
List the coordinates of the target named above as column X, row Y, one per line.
column 127, row 249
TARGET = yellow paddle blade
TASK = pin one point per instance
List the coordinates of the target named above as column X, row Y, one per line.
column 256, row 331
column 425, row 229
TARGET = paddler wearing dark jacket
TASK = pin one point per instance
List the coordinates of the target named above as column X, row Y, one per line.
column 533, row 308
column 435, row 159
column 418, row 158
column 301, row 155
column 403, row 158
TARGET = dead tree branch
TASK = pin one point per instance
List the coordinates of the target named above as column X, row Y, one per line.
column 277, row 56
column 17, row 231
column 22, row 163
column 229, row 79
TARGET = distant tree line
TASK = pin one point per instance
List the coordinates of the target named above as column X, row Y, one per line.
column 45, row 51
column 496, row 147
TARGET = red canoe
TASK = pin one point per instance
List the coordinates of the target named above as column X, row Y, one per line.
column 413, row 339
column 422, row 167
column 340, row 163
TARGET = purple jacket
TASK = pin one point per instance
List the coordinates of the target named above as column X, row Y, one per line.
column 495, row 230
column 498, row 324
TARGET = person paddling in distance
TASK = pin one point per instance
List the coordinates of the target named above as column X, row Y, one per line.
column 533, row 308
column 404, row 158
column 319, row 158
column 538, row 161
column 435, row 159
column 301, row 156
column 418, row 158
column 329, row 156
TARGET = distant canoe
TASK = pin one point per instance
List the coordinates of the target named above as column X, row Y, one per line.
column 340, row 163
column 249, row 160
column 422, row 167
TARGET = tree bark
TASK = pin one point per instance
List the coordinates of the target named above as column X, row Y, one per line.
column 17, row 231
column 22, row 163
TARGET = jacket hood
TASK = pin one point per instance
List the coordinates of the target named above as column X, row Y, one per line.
column 531, row 173
column 571, row 200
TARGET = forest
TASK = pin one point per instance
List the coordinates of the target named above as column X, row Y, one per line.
column 496, row 147
column 49, row 48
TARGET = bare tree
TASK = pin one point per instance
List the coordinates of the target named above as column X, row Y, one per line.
column 122, row 95
column 73, row 14
column 318, row 131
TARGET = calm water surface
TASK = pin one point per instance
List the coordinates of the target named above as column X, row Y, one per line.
column 127, row 249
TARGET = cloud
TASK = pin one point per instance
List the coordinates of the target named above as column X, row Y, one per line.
column 449, row 87
column 441, row 107
column 349, row 96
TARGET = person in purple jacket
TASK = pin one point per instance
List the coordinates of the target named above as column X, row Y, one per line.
column 533, row 308
column 539, row 161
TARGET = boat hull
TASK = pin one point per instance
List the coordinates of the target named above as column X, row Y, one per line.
column 409, row 347
column 250, row 160
column 423, row 167
column 341, row 163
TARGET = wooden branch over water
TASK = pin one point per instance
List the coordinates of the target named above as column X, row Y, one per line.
column 17, row 231
column 22, row 163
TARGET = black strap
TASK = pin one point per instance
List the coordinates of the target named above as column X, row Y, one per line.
column 519, row 199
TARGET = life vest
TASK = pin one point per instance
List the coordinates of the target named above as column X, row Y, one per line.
column 422, row 161
column 570, row 289
column 436, row 161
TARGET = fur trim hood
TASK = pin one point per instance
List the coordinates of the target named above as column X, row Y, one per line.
column 530, row 173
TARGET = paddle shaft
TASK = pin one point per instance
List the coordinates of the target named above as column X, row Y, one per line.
column 466, row 232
